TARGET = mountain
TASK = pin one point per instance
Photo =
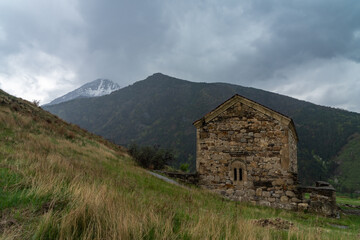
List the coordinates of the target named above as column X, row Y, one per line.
column 348, row 159
column 58, row 181
column 97, row 88
column 161, row 110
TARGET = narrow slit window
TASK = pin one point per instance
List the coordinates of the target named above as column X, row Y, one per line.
column 235, row 174
column 240, row 174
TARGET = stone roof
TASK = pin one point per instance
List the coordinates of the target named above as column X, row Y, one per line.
column 257, row 106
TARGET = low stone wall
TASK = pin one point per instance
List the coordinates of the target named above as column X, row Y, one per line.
column 322, row 199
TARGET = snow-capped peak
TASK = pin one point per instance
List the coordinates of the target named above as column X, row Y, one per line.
column 97, row 88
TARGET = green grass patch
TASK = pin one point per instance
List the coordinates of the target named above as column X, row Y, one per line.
column 5, row 132
column 7, row 138
column 348, row 200
column 15, row 194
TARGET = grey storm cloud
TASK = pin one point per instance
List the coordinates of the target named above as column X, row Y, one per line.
column 305, row 49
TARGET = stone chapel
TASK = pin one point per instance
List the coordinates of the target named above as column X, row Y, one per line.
column 248, row 152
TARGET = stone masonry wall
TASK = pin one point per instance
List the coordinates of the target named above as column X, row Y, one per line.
column 292, row 152
column 262, row 148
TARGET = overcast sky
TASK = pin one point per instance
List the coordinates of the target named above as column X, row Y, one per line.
column 306, row 49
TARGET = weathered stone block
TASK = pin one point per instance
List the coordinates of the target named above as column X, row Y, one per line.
column 278, row 182
column 251, row 192
column 204, row 135
column 290, row 194
column 303, row 206
column 294, row 206
column 295, row 200
column 230, row 191
column 210, row 178
column 239, row 193
column 289, row 181
column 284, row 199
column 264, row 203
column 259, row 192
column 266, row 194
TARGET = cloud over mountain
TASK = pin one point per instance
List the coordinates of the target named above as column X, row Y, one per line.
column 304, row 49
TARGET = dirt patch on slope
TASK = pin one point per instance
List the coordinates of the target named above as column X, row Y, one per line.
column 6, row 222
column 276, row 223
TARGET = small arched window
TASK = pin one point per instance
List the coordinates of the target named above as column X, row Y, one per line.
column 238, row 172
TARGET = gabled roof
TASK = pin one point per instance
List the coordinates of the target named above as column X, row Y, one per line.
column 257, row 106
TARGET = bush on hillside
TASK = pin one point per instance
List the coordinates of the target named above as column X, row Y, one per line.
column 184, row 167
column 152, row 157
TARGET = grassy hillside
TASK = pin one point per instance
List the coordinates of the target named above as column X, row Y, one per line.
column 60, row 182
column 161, row 110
